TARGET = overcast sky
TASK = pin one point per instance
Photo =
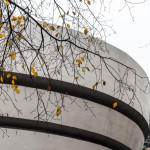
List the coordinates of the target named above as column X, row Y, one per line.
column 131, row 36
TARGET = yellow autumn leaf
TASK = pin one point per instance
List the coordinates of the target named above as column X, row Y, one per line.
column 8, row 75
column 68, row 12
column 83, row 70
column 56, row 34
column 58, row 111
column 52, row 28
column 68, row 25
column 22, row 66
column 74, row 13
column 1, row 24
column 17, row 91
column 14, row 86
column 8, row 43
column 18, row 21
column 79, row 61
column 93, row 87
column 63, row 16
column 89, row 40
column 14, row 77
column 4, row 69
column 58, row 72
column 0, row 36
column 32, row 70
column 96, row 83
column 85, row 31
column 3, row 35
column 9, row 53
column 89, row 3
column 104, row 83
column 87, row 69
column 44, row 25
column 13, row 56
column 82, row 58
column 20, row 17
column 14, row 19
column 19, row 37
column 24, row 18
column 13, row 82
column 2, row 79
column 48, row 88
column 35, row 74
column 115, row 105
column 7, row 2
column 77, row 78
column 21, row 25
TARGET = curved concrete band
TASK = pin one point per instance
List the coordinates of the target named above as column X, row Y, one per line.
column 41, row 126
column 81, row 92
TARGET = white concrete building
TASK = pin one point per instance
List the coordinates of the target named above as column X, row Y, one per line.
column 88, row 119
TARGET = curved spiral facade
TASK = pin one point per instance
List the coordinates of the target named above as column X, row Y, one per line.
column 88, row 119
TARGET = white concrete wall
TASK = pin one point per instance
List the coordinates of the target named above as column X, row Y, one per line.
column 106, row 121
column 38, row 141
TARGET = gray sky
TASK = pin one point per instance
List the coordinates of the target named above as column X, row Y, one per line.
column 131, row 36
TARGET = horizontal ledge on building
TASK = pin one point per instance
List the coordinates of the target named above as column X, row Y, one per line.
column 52, row 128
column 81, row 92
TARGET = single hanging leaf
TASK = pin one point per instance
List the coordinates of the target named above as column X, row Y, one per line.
column 13, row 56
column 14, row 19
column 8, row 75
column 13, row 82
column 77, row 78
column 93, row 87
column 8, row 43
column 35, row 74
column 19, row 37
column 21, row 25
column 32, row 70
column 104, row 83
column 18, row 21
column 89, row 3
column 48, row 88
column 87, row 69
column 58, row 111
column 68, row 25
column 7, row 2
column 83, row 70
column 115, row 105
column 3, row 35
column 17, row 91
column 44, row 25
column 52, row 28
column 22, row 66
column 4, row 69
column 68, row 12
column 74, row 13
column 82, row 58
column 96, row 83
column 14, row 77
column 2, row 79
column 56, row 34
column 89, row 40
column 85, row 31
